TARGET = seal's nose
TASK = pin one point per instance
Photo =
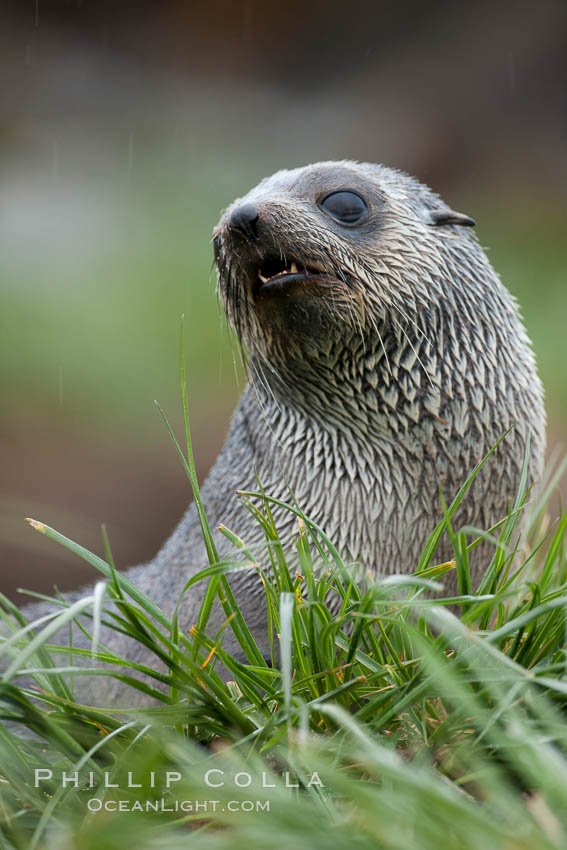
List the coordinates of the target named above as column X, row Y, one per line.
column 244, row 220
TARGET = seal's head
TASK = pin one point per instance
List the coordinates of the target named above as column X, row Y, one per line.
column 367, row 304
column 332, row 254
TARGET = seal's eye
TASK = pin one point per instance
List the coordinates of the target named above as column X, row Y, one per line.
column 344, row 206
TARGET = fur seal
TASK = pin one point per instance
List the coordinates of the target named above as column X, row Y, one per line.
column 385, row 359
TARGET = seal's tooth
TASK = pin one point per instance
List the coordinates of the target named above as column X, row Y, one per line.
column 262, row 278
column 293, row 268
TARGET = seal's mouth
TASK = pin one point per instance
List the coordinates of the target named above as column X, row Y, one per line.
column 276, row 273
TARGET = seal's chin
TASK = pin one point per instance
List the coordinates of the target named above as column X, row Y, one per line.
column 281, row 276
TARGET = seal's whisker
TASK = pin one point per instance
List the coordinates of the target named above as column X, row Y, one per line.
column 374, row 324
column 417, row 357
column 411, row 321
column 268, row 389
column 353, row 296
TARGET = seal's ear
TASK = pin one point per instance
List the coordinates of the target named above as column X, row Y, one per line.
column 446, row 216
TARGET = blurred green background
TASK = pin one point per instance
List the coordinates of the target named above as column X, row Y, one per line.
column 125, row 130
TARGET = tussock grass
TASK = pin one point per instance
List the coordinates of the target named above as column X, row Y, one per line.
column 401, row 724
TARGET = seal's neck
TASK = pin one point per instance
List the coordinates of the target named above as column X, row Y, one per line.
column 363, row 387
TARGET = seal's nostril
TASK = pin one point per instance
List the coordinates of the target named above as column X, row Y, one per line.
column 244, row 220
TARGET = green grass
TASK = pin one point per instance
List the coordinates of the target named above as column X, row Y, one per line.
column 417, row 728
